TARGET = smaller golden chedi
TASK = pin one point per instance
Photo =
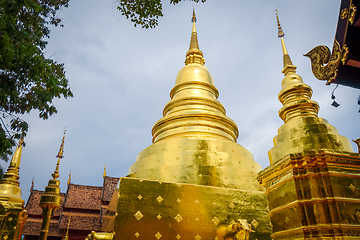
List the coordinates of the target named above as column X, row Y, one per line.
column 12, row 211
column 313, row 179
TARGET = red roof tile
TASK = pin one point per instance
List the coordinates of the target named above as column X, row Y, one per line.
column 83, row 197
column 110, row 184
column 33, row 227
column 81, row 221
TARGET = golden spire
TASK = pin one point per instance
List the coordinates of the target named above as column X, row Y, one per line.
column 288, row 65
column 32, row 185
column 194, row 55
column 295, row 94
column 51, row 198
column 66, row 237
column 69, row 180
column 12, row 175
column 55, row 175
column 9, row 185
column 104, row 175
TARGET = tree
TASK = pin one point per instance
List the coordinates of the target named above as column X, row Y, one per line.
column 144, row 13
column 28, row 80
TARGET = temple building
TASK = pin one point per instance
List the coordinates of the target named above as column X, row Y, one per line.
column 312, row 182
column 196, row 182
column 83, row 205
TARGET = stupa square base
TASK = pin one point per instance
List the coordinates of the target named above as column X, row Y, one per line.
column 148, row 209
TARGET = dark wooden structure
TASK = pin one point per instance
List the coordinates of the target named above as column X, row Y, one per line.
column 342, row 66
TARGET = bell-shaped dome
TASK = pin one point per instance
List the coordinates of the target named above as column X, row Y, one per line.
column 195, row 142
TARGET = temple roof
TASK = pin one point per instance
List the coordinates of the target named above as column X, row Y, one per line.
column 110, row 184
column 83, row 197
column 80, row 221
column 81, row 202
column 33, row 227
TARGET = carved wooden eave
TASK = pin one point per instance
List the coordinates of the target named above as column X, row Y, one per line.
column 342, row 66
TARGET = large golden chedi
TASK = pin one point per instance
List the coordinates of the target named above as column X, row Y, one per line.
column 194, row 180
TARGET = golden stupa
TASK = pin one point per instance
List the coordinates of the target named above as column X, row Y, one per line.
column 12, row 211
column 313, row 179
column 194, row 181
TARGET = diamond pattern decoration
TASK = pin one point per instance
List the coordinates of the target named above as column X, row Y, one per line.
column 137, row 234
column 282, row 194
column 158, row 216
column 138, row 215
column 252, row 207
column 5, row 237
column 178, row 236
column 231, row 205
column 178, row 218
column 197, row 202
column 215, row 221
column 287, row 220
column 352, row 187
column 140, row 197
column 10, row 219
column 178, row 200
column 159, row 199
column 254, row 223
column 158, row 235
column 197, row 219
column 200, row 175
column 216, row 238
column 197, row 237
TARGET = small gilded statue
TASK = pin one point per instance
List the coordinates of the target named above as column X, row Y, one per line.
column 240, row 230
column 100, row 236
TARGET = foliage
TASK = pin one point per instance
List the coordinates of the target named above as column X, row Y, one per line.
column 145, row 13
column 28, row 80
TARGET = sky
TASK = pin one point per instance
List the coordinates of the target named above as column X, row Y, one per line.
column 121, row 77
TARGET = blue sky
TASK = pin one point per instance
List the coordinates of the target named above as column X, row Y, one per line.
column 121, row 78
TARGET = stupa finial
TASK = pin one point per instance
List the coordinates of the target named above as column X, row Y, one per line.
column 288, row 65
column 66, row 237
column 32, row 185
column 69, row 180
column 12, row 175
column 194, row 55
column 60, row 154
